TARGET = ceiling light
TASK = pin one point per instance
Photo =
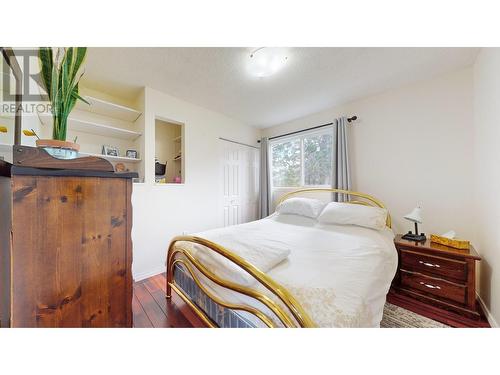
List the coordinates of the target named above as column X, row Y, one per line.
column 266, row 61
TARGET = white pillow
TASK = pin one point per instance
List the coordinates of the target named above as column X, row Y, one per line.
column 354, row 214
column 301, row 206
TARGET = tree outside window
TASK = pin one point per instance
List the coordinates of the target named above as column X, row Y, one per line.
column 305, row 160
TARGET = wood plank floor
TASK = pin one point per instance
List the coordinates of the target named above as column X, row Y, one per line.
column 151, row 308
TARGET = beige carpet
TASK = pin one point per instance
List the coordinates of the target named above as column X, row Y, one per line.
column 397, row 317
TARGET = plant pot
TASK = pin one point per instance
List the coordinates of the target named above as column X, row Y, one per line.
column 59, row 149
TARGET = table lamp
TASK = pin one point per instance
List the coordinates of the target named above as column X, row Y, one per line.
column 416, row 217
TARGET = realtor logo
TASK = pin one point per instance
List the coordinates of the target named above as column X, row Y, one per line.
column 31, row 91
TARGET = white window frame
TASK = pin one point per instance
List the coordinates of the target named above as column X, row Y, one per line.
column 301, row 136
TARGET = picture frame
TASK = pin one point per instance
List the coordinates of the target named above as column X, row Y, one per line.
column 110, row 150
column 132, row 154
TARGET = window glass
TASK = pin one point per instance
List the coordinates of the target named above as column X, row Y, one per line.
column 286, row 163
column 318, row 160
column 305, row 160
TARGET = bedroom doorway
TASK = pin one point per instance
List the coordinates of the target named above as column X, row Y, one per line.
column 239, row 192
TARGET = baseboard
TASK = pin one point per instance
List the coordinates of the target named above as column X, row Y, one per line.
column 487, row 312
column 144, row 275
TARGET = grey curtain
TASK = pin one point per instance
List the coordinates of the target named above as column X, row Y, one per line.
column 341, row 174
column 265, row 179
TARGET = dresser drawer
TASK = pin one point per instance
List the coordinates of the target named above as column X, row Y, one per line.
column 437, row 287
column 435, row 266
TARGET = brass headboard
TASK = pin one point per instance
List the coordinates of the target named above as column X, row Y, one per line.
column 368, row 199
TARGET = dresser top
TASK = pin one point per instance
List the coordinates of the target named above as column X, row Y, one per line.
column 9, row 170
column 429, row 246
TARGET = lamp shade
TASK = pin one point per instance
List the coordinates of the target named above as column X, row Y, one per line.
column 415, row 215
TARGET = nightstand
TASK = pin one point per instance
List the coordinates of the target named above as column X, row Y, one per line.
column 437, row 281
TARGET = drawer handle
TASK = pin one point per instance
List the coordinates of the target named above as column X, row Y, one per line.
column 430, row 286
column 429, row 264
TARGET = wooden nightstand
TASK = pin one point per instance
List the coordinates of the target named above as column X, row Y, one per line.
column 437, row 281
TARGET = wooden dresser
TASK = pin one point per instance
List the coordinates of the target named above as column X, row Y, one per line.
column 65, row 248
column 440, row 280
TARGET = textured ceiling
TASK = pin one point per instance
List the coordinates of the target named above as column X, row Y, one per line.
column 313, row 79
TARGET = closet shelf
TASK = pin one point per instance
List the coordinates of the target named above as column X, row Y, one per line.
column 113, row 159
column 178, row 139
column 109, row 109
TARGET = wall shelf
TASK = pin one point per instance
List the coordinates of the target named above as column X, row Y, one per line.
column 113, row 159
column 108, row 109
column 91, row 127
column 100, row 129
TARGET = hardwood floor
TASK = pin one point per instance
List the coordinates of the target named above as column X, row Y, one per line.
column 152, row 310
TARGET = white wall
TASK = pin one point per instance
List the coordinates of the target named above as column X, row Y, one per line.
column 412, row 146
column 487, row 175
column 164, row 211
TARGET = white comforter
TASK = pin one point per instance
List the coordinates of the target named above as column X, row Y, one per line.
column 241, row 240
column 339, row 273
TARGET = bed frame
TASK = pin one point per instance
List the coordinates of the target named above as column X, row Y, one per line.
column 284, row 308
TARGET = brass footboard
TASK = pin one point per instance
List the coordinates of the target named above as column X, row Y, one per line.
column 288, row 312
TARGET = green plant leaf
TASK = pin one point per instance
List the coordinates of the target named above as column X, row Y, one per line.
column 79, row 59
column 46, row 60
column 63, row 85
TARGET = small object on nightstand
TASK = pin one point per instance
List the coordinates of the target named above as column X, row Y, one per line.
column 416, row 217
column 450, row 241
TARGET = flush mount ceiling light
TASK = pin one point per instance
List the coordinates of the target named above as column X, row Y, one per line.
column 266, row 61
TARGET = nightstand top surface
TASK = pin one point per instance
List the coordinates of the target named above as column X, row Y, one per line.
column 437, row 248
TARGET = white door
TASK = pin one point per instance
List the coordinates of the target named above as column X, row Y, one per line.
column 250, row 182
column 240, row 183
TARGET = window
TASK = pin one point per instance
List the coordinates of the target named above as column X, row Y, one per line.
column 303, row 160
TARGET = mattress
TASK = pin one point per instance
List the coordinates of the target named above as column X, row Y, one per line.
column 222, row 316
column 340, row 274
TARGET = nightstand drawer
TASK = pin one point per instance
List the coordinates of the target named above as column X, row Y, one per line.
column 433, row 265
column 434, row 286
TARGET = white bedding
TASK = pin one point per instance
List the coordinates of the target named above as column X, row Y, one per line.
column 340, row 274
column 241, row 240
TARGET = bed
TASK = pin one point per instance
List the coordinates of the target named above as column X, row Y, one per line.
column 331, row 276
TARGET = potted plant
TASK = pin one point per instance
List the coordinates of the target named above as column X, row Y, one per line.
column 60, row 78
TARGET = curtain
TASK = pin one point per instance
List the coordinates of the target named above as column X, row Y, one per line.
column 265, row 179
column 341, row 175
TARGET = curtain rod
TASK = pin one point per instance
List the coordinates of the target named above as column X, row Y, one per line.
column 239, row 143
column 350, row 119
